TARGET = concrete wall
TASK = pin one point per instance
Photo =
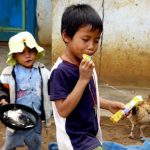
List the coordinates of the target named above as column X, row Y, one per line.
column 44, row 20
column 124, row 57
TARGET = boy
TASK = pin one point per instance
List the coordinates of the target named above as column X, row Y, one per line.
column 73, row 82
column 27, row 81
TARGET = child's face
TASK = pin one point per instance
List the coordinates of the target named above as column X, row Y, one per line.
column 85, row 41
column 26, row 58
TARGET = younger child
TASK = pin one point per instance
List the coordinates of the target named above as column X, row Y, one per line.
column 27, row 81
column 73, row 83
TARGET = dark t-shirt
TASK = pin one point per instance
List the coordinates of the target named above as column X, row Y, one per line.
column 81, row 125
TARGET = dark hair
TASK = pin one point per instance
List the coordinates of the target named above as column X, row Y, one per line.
column 80, row 15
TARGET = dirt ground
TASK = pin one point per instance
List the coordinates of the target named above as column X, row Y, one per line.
column 111, row 132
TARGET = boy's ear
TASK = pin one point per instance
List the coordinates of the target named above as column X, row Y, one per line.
column 65, row 37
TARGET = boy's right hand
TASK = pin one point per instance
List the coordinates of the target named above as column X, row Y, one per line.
column 3, row 102
column 86, row 69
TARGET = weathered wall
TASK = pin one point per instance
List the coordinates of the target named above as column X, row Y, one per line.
column 126, row 43
column 124, row 57
column 44, row 20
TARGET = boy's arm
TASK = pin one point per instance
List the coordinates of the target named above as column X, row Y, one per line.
column 65, row 107
column 112, row 106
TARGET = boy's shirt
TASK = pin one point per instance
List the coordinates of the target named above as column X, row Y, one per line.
column 28, row 87
column 81, row 126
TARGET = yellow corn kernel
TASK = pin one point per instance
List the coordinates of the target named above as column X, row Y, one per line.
column 87, row 57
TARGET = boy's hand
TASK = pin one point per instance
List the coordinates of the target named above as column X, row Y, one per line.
column 86, row 69
column 3, row 102
column 114, row 106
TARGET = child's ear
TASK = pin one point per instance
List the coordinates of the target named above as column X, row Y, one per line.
column 65, row 37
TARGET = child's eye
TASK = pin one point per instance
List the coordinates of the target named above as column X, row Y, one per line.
column 85, row 40
column 20, row 53
column 32, row 50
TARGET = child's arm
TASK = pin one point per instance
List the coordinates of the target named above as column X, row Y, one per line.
column 3, row 102
column 112, row 106
column 3, row 95
column 65, row 107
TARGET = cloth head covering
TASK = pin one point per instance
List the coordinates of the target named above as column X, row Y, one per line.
column 18, row 42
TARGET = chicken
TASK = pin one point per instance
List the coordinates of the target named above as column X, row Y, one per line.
column 140, row 117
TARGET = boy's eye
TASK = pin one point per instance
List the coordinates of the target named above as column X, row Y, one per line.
column 96, row 41
column 85, row 40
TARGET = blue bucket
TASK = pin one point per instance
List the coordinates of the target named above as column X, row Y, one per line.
column 109, row 145
column 53, row 146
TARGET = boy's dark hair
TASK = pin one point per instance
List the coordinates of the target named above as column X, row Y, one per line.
column 80, row 15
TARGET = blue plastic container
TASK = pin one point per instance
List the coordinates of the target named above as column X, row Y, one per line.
column 53, row 146
column 109, row 145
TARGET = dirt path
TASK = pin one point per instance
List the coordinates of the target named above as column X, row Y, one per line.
column 119, row 132
column 111, row 132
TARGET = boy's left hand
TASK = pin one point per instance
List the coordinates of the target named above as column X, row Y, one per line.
column 114, row 106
